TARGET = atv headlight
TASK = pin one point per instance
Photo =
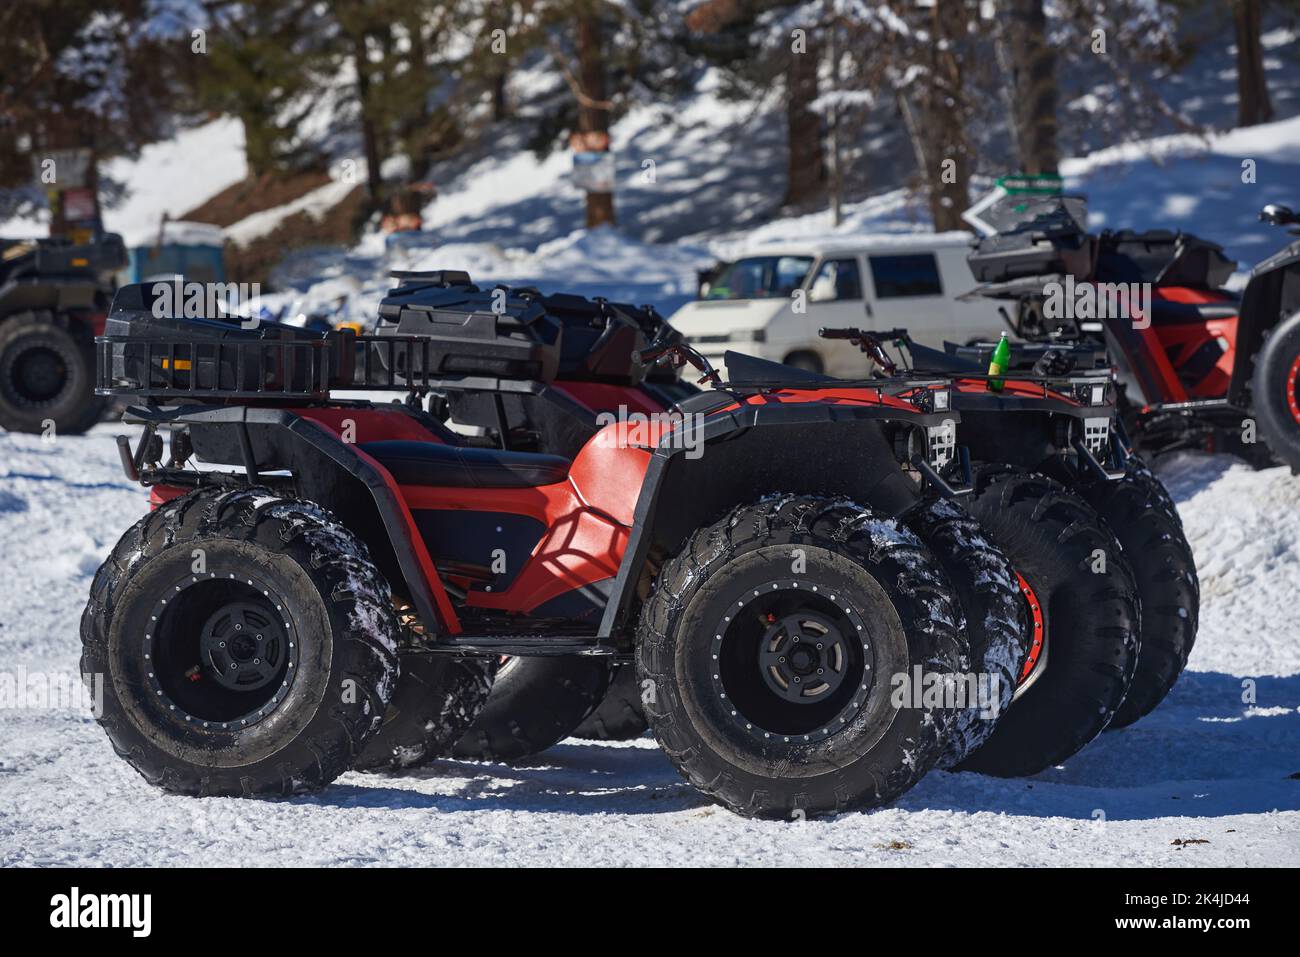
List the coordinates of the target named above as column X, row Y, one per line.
column 1096, row 435
column 930, row 400
column 941, row 443
column 1090, row 393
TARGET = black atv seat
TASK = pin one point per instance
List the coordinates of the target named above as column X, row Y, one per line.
column 454, row 466
column 747, row 370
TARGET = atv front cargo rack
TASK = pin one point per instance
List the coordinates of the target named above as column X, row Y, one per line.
column 301, row 369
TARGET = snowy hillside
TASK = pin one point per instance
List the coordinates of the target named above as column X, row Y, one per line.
column 1188, row 183
column 1203, row 766
column 505, row 216
column 494, row 218
column 482, row 224
column 170, row 177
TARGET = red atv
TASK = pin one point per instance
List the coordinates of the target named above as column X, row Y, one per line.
column 1201, row 367
column 1039, row 433
column 336, row 559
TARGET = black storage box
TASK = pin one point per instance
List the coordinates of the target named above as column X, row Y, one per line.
column 1162, row 257
column 55, row 257
column 1052, row 243
column 468, row 331
column 508, row 333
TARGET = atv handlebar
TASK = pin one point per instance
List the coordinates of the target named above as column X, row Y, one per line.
column 669, row 347
column 871, row 343
column 1275, row 214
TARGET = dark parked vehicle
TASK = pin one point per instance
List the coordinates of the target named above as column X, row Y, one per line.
column 54, row 297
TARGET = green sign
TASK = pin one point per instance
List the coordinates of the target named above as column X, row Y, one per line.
column 1036, row 184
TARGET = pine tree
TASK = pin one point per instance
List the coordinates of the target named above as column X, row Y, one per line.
column 79, row 74
column 263, row 61
column 766, row 44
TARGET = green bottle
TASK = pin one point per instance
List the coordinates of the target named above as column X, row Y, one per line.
column 998, row 363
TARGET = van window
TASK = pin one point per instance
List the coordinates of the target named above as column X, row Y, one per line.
column 760, row 277
column 915, row 274
column 836, row 279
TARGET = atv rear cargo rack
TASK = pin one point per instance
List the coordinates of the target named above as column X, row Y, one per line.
column 301, row 369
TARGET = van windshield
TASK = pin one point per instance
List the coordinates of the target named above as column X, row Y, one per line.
column 760, row 277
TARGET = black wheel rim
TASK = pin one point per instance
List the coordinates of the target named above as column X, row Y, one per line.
column 792, row 662
column 221, row 651
column 243, row 646
column 35, row 376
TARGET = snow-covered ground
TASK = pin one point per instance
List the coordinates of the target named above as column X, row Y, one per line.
column 1206, row 765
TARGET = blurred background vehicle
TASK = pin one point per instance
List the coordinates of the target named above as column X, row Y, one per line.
column 771, row 304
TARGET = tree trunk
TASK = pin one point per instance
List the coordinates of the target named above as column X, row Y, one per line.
column 503, row 16
column 834, row 153
column 369, row 134
column 1033, row 78
column 805, row 170
column 950, row 157
column 593, row 108
column 1253, row 106
column 500, row 104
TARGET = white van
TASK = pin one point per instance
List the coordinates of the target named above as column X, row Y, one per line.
column 771, row 302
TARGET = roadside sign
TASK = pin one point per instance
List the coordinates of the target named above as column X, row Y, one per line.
column 594, row 172
column 78, row 204
column 70, row 170
column 589, row 141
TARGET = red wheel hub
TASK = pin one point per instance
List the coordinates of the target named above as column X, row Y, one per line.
column 1292, row 399
column 1035, row 610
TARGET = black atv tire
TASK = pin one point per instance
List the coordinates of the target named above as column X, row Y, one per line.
column 1091, row 620
column 437, row 699
column 167, row 612
column 1165, row 571
column 712, row 619
column 993, row 610
column 47, row 374
column 535, row 703
column 619, row 716
column 1275, row 391
column 1138, row 471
